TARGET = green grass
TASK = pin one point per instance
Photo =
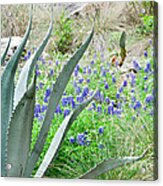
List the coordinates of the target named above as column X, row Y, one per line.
column 122, row 135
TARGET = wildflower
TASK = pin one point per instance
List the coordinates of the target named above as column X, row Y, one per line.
column 136, row 65
column 88, row 80
column 45, row 99
column 137, row 105
column 85, row 92
column 43, row 108
column 81, row 139
column 80, row 99
column 37, row 72
column 120, row 89
column 110, row 109
column 51, row 72
column 124, row 83
column 57, row 63
column 118, row 95
column 72, row 139
column 78, row 90
column 37, row 108
column 92, row 62
column 101, row 130
column 145, row 54
column 107, row 100
column 66, row 112
column 113, row 80
column 148, row 68
column 81, row 80
column 149, row 99
column 99, row 109
column 41, row 85
column 48, row 92
column 58, row 110
column 106, row 86
column 100, row 146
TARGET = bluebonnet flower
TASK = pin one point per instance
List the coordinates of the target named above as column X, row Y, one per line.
column 66, row 112
column 145, row 78
column 95, row 71
column 37, row 72
column 57, row 63
column 89, row 71
column 101, row 130
column 118, row 95
column 72, row 139
column 107, row 100
column 48, row 92
column 73, row 105
column 41, row 85
column 88, row 80
column 99, row 109
column 110, row 109
column 100, row 146
column 133, row 81
column 137, row 105
column 148, row 68
column 80, row 99
column 81, row 139
column 77, row 67
column 64, row 102
column 132, row 91
column 113, row 79
column 46, row 99
column 145, row 54
column 51, row 72
column 84, row 70
column 133, row 98
column 58, row 110
column 85, row 92
column 75, row 73
column 81, row 80
column 40, row 117
column 103, row 73
column 124, row 83
column 37, row 109
column 149, row 99
column 99, row 96
column 136, row 65
column 94, row 105
column 78, row 90
column 120, row 89
column 106, row 86
column 92, row 62
column 43, row 108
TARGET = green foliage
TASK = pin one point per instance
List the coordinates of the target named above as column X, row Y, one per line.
column 147, row 25
column 63, row 35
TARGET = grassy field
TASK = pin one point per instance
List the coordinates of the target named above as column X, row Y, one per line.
column 119, row 123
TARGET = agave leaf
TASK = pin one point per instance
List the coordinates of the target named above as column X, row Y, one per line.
column 122, row 40
column 7, row 87
column 5, row 52
column 27, row 70
column 109, row 164
column 59, row 137
column 19, row 133
column 55, row 97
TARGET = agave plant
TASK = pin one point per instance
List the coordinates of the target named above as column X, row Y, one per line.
column 18, row 102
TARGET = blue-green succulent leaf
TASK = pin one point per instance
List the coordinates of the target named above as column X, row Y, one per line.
column 5, row 52
column 109, row 164
column 55, row 97
column 27, row 70
column 19, row 133
column 7, row 94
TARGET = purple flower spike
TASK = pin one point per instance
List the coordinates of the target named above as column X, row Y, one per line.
column 101, row 130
